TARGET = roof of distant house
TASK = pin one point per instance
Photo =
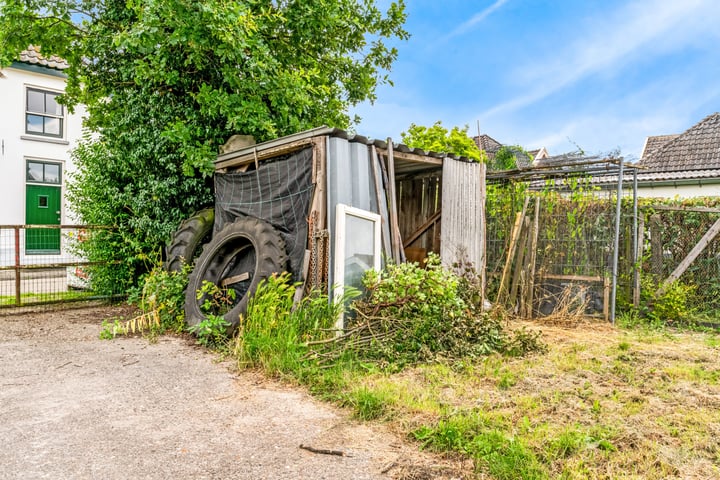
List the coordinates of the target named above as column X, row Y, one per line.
column 32, row 56
column 698, row 148
column 487, row 143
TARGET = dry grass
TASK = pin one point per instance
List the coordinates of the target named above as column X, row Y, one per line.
column 602, row 403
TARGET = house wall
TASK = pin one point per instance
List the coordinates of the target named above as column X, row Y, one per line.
column 679, row 191
column 16, row 146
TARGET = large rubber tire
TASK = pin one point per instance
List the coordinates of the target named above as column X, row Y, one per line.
column 187, row 241
column 247, row 247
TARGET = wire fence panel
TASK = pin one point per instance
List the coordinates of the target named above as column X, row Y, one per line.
column 42, row 265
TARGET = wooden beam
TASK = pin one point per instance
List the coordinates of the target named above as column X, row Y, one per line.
column 381, row 201
column 670, row 208
column 694, row 253
column 263, row 154
column 422, row 228
column 533, row 259
column 511, row 252
column 572, row 278
column 638, row 265
column 394, row 227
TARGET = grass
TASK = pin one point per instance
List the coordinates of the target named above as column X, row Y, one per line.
column 602, row 403
column 33, row 298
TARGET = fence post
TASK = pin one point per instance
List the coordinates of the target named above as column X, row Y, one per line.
column 17, row 265
column 616, row 243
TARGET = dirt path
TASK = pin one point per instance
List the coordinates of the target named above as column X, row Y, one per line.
column 76, row 407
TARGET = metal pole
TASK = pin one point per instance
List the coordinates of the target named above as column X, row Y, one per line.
column 616, row 243
column 17, row 266
column 636, row 240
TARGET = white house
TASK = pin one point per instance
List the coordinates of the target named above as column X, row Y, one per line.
column 36, row 137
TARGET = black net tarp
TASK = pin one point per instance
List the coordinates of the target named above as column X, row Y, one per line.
column 279, row 192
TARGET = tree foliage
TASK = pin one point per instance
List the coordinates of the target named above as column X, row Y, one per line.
column 439, row 139
column 165, row 82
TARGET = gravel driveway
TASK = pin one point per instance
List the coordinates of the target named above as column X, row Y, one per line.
column 76, row 407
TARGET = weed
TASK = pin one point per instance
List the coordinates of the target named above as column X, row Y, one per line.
column 370, row 404
column 506, row 380
column 211, row 331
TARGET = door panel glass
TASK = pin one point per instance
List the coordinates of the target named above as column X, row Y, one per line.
column 52, row 173
column 35, row 172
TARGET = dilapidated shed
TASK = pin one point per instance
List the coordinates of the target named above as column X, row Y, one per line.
column 327, row 205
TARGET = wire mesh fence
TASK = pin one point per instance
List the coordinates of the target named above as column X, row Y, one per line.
column 41, row 265
column 560, row 235
column 551, row 239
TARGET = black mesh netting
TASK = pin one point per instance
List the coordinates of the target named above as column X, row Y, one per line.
column 279, row 192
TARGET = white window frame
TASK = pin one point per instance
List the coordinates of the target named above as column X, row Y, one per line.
column 342, row 211
column 62, row 117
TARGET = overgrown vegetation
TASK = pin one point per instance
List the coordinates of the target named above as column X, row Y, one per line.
column 411, row 314
column 598, row 402
column 166, row 83
column 437, row 138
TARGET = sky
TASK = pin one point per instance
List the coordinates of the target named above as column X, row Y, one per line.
column 595, row 75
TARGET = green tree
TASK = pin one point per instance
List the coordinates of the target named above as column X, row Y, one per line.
column 165, row 82
column 438, row 139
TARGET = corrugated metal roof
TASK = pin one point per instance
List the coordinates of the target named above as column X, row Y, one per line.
column 298, row 140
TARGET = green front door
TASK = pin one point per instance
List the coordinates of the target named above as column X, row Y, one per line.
column 42, row 207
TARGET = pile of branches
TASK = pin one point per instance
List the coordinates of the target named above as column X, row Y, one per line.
column 412, row 315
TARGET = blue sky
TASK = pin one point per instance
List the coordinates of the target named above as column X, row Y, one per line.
column 599, row 74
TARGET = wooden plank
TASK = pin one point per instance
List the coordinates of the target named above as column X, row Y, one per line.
column 431, row 161
column 637, row 273
column 235, row 279
column 382, row 201
column 519, row 262
column 694, row 253
column 398, row 254
column 572, row 278
column 670, row 208
column 422, row 229
column 606, row 298
column 656, row 245
column 505, row 278
column 264, row 154
column 533, row 259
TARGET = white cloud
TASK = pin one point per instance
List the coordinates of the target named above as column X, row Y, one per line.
column 475, row 19
column 639, row 30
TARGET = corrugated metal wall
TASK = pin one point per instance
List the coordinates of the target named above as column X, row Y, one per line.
column 463, row 203
column 349, row 181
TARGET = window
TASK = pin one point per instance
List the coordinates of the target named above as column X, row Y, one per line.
column 357, row 249
column 43, row 114
column 42, row 172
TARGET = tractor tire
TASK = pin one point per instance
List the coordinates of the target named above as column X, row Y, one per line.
column 239, row 257
column 187, row 241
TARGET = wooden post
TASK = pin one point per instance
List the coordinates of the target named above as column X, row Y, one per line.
column 656, row 245
column 519, row 261
column 398, row 253
column 606, row 298
column 382, row 202
column 638, row 263
column 511, row 252
column 533, row 259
